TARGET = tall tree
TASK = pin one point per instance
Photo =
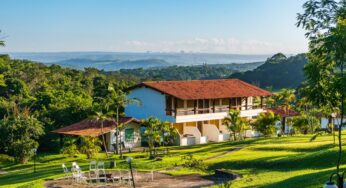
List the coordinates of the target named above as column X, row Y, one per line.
column 2, row 43
column 286, row 98
column 101, row 117
column 19, row 133
column 117, row 99
column 152, row 133
column 325, row 25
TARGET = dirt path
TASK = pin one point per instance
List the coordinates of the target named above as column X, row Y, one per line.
column 225, row 153
column 144, row 181
column 209, row 158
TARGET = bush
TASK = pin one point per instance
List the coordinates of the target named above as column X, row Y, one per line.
column 18, row 135
column 265, row 123
column 90, row 146
column 70, row 149
column 190, row 162
column 305, row 124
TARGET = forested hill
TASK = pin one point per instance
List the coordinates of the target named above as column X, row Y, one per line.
column 277, row 72
column 55, row 96
column 192, row 72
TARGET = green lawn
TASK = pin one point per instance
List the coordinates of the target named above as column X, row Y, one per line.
column 263, row 162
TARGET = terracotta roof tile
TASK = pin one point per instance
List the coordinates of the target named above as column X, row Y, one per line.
column 205, row 89
column 89, row 127
column 280, row 111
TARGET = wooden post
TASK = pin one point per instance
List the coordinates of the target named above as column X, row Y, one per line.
column 261, row 102
column 175, row 106
column 229, row 104
column 195, row 106
column 213, row 105
column 246, row 103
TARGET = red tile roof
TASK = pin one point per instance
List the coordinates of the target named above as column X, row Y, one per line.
column 89, row 127
column 284, row 113
column 205, row 89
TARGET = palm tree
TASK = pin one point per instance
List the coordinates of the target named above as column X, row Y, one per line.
column 152, row 132
column 100, row 116
column 2, row 43
column 168, row 132
column 286, row 98
column 236, row 124
column 265, row 123
column 121, row 101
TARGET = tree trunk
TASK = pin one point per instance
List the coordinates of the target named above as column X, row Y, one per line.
column 150, row 149
column 283, row 125
column 342, row 119
column 103, row 139
column 117, row 132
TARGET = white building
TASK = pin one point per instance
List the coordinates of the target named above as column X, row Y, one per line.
column 196, row 108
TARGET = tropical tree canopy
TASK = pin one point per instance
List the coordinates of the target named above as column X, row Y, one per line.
column 19, row 133
column 236, row 124
column 265, row 123
column 325, row 25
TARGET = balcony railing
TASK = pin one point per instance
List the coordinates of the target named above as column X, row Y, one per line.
column 217, row 109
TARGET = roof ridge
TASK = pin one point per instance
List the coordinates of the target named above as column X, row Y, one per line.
column 190, row 80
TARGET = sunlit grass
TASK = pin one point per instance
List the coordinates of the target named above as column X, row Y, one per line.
column 263, row 162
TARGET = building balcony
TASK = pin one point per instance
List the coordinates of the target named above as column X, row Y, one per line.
column 217, row 115
column 219, row 112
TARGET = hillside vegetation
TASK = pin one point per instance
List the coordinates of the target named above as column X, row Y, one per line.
column 196, row 72
column 263, row 162
column 277, row 72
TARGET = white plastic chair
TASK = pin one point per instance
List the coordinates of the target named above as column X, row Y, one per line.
column 66, row 171
column 77, row 173
column 100, row 165
column 93, row 165
column 127, row 178
column 93, row 170
column 102, row 175
column 150, row 176
column 117, row 177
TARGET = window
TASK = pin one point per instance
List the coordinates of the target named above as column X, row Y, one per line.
column 168, row 105
column 129, row 134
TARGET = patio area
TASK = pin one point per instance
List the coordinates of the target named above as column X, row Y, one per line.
column 143, row 179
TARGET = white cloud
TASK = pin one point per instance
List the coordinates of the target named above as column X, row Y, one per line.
column 213, row 45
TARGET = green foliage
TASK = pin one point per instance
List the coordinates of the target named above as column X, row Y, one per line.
column 325, row 25
column 90, row 146
column 152, row 133
column 169, row 133
column 70, row 148
column 2, row 43
column 265, row 123
column 56, row 96
column 277, row 72
column 190, row 162
column 194, row 72
column 19, row 132
column 285, row 98
column 236, row 124
column 305, row 123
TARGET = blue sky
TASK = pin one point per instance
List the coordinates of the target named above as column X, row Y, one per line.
column 217, row 26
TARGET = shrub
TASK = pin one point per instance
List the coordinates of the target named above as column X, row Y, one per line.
column 190, row 162
column 265, row 123
column 18, row 134
column 70, row 148
column 90, row 146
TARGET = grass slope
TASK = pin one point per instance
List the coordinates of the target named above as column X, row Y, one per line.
column 264, row 162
